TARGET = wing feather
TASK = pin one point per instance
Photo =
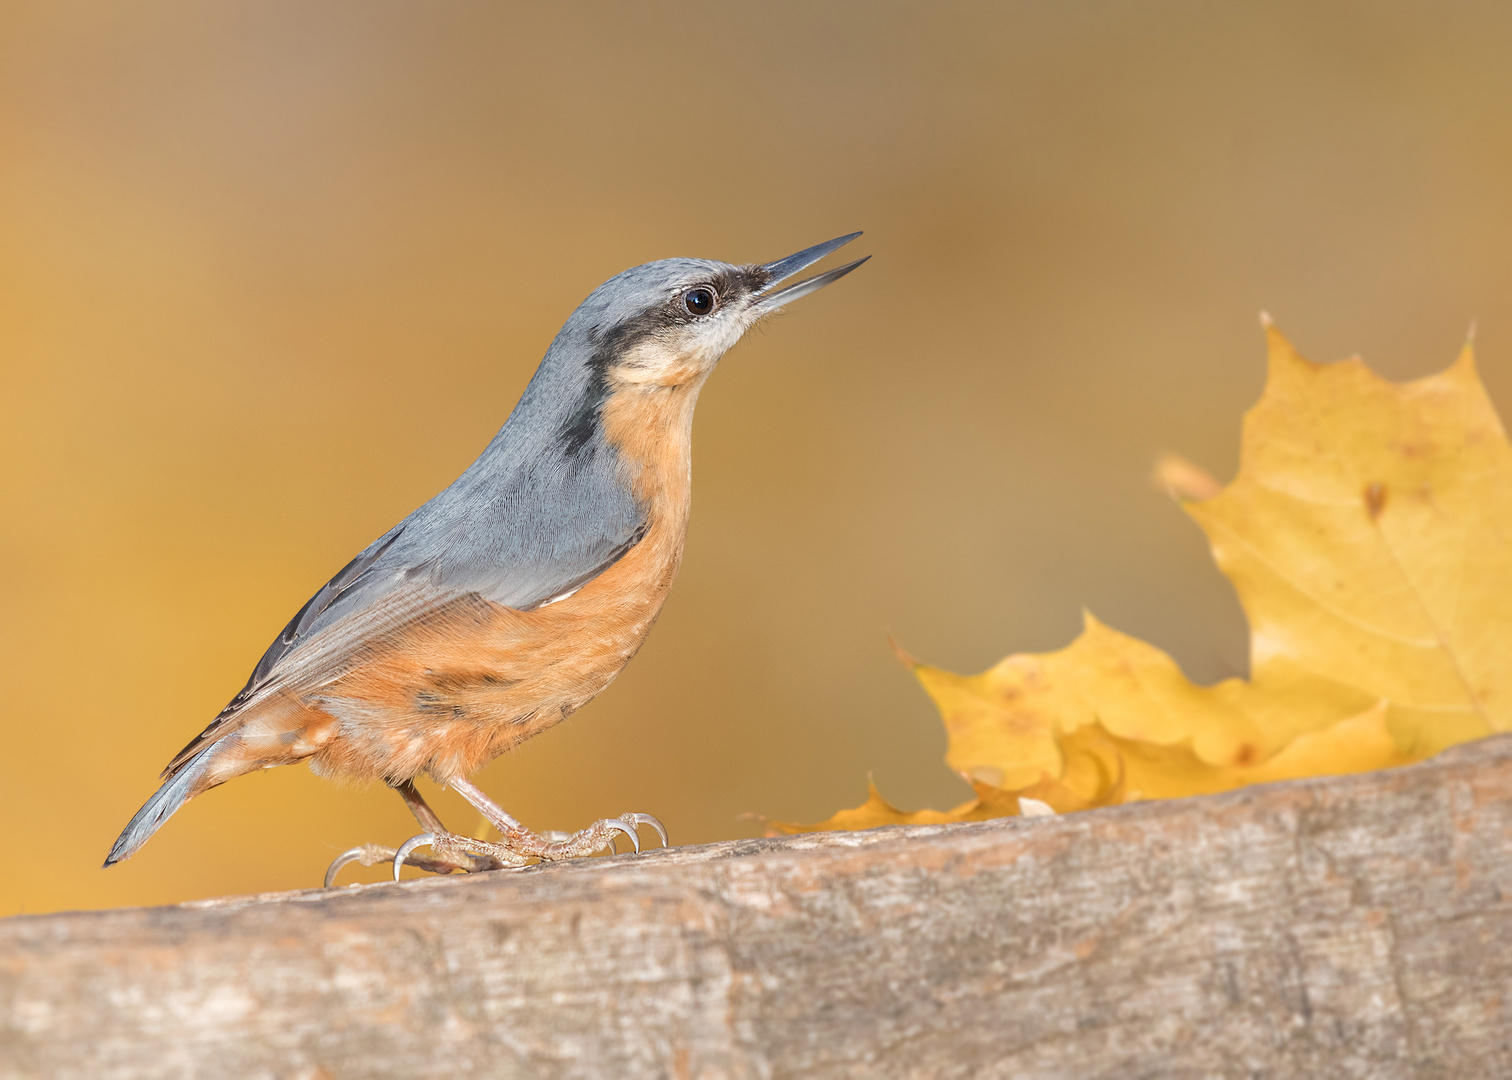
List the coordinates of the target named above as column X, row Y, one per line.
column 375, row 595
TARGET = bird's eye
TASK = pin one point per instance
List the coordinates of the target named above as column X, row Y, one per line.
column 699, row 301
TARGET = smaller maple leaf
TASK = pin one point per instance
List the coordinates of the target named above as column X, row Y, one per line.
column 990, row 802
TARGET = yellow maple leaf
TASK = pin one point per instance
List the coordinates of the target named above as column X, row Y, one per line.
column 1369, row 536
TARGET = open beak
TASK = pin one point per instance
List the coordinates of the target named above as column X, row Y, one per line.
column 768, row 301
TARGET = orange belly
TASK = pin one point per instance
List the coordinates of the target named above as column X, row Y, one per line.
column 450, row 693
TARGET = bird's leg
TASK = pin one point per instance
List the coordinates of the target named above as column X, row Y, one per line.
column 496, row 815
column 437, row 863
column 518, row 845
column 430, row 821
column 595, row 837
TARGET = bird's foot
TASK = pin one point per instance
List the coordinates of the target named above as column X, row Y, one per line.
column 436, row 863
column 519, row 845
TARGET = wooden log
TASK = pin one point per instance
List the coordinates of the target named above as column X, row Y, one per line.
column 1357, row 927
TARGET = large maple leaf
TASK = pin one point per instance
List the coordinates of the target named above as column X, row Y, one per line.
column 1369, row 536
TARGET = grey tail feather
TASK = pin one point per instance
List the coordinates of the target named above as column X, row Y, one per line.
column 175, row 792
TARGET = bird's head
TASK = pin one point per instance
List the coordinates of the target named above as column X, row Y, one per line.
column 640, row 347
column 667, row 323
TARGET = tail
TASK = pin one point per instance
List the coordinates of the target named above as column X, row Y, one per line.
column 178, row 789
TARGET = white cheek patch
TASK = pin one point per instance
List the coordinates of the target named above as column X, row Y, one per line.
column 691, row 349
column 651, row 362
column 715, row 336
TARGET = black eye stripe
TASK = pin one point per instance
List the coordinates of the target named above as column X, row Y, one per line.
column 699, row 300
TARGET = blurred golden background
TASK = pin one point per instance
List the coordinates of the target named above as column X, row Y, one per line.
column 271, row 274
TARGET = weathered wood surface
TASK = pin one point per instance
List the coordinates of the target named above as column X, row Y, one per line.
column 1359, row 927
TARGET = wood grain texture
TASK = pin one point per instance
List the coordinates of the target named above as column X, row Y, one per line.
column 1357, row 927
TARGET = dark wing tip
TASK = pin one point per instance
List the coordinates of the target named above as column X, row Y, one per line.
column 178, row 790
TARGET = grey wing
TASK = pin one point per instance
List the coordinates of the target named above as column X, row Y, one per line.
column 393, row 583
column 395, row 591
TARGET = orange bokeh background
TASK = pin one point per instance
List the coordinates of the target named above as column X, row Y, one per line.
column 271, row 274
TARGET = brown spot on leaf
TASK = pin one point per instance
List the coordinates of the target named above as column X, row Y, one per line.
column 1375, row 499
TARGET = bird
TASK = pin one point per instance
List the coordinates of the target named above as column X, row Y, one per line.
column 514, row 596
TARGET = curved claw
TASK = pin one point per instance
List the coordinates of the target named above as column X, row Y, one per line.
column 615, row 826
column 425, row 839
column 350, row 855
column 647, row 819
